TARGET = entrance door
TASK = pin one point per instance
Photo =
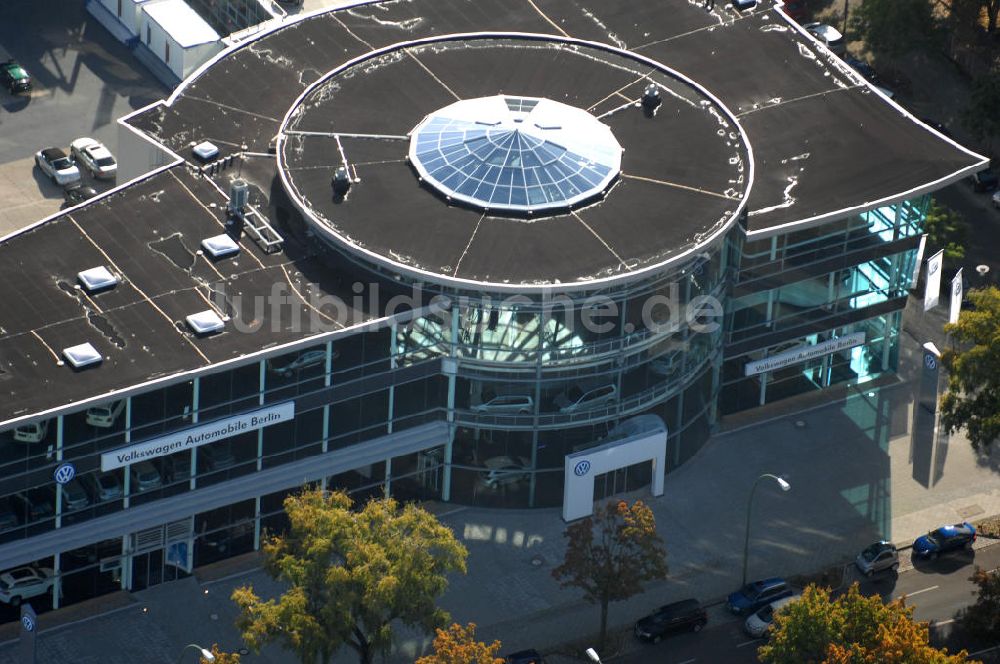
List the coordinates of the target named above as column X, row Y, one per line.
column 147, row 569
column 622, row 480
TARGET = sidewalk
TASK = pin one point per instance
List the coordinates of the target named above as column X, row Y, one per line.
column 856, row 474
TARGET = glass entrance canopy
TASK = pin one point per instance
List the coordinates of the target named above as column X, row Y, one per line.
column 515, row 153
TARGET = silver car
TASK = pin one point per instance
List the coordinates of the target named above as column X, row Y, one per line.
column 576, row 399
column 507, row 403
column 505, row 471
column 877, row 557
column 145, row 476
column 95, row 157
column 59, row 167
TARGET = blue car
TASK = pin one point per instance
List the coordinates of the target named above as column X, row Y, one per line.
column 753, row 596
column 944, row 539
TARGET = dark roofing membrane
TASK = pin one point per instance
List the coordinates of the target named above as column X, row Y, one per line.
column 684, row 168
column 824, row 144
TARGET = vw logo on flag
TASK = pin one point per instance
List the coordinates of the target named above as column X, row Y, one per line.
column 64, row 473
column 581, row 468
column 29, row 624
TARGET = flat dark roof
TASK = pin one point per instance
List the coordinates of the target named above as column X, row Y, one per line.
column 684, row 170
column 824, row 145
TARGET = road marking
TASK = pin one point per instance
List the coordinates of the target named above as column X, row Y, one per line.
column 746, row 643
column 938, row 623
column 687, row 661
column 917, row 592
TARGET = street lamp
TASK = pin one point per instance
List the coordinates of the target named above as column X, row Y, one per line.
column 594, row 657
column 785, row 486
column 205, row 654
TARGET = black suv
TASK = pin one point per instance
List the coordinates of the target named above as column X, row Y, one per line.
column 524, row 657
column 686, row 615
column 984, row 180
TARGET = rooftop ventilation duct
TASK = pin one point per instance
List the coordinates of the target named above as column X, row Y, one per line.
column 81, row 356
column 341, row 181
column 651, row 97
column 239, row 196
column 205, row 151
column 220, row 246
column 205, row 322
column 96, row 278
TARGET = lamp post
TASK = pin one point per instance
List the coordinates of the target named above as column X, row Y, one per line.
column 593, row 656
column 785, row 486
column 205, row 654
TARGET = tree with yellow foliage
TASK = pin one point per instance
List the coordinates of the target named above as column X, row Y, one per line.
column 458, row 645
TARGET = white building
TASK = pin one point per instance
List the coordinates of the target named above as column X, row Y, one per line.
column 177, row 35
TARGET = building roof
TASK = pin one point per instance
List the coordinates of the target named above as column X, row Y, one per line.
column 182, row 23
column 824, row 145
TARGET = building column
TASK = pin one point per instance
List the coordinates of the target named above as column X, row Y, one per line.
column 450, row 369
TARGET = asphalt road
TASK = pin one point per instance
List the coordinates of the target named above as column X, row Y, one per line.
column 937, row 590
column 83, row 78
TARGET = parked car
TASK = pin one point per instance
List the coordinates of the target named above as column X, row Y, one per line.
column 78, row 193
column 145, row 477
column 866, row 70
column 175, row 467
column 744, row 4
column 504, row 471
column 15, row 77
column 984, row 180
column 59, row 167
column 74, row 495
column 757, row 624
column 95, row 157
column 996, row 199
column 828, row 35
column 32, row 433
column 36, row 504
column 309, row 358
column 944, row 539
column 877, row 557
column 507, row 403
column 575, row 399
column 8, row 515
column 104, row 416
column 524, row 657
column 757, row 594
column 215, row 457
column 684, row 616
column 24, row 583
column 105, row 486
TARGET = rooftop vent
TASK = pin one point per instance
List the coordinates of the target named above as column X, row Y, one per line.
column 239, row 196
column 81, row 356
column 97, row 278
column 205, row 151
column 220, row 245
column 341, row 181
column 651, row 96
column 205, row 322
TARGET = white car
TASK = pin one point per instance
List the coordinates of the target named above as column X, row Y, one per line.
column 507, row 403
column 758, row 623
column 310, row 358
column 59, row 167
column 95, row 157
column 575, row 399
column 829, row 35
column 504, row 471
column 105, row 416
column 32, row 433
column 24, row 583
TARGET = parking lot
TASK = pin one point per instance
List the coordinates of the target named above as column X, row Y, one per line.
column 83, row 80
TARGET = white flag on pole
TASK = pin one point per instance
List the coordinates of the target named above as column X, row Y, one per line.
column 956, row 297
column 918, row 261
column 932, row 288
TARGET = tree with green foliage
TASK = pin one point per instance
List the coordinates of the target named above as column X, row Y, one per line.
column 350, row 575
column 852, row 629
column 458, row 645
column 982, row 619
column 893, row 28
column 982, row 117
column 972, row 401
column 946, row 230
column 611, row 555
column 222, row 657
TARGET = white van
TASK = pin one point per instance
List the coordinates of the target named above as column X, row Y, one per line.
column 104, row 416
column 32, row 433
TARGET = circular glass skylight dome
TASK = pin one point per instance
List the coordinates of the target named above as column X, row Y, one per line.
column 515, row 153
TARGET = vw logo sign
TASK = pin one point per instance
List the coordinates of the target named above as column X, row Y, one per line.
column 957, row 288
column 933, row 267
column 29, row 624
column 930, row 362
column 64, row 473
column 581, row 468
